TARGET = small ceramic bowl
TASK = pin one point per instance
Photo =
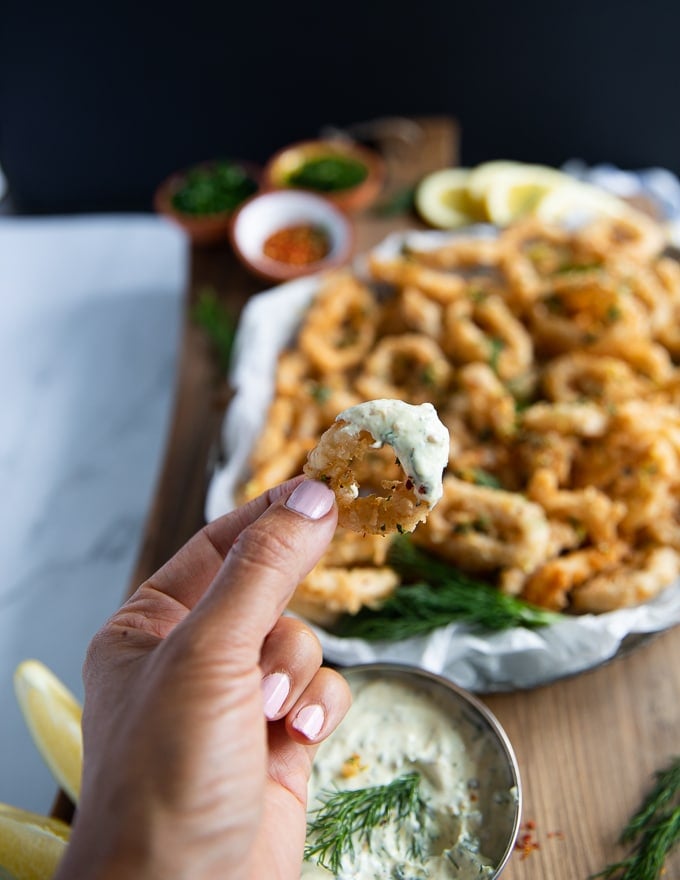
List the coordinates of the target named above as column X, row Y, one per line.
column 202, row 228
column 264, row 215
column 284, row 168
column 405, row 720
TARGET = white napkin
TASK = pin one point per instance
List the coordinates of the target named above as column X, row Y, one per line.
column 89, row 322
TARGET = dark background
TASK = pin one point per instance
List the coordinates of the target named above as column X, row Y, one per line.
column 97, row 104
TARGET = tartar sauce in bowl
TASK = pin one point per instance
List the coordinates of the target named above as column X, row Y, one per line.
column 405, row 721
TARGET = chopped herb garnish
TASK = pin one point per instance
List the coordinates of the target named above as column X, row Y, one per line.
column 212, row 189
column 320, row 392
column 479, row 477
column 497, row 346
column 330, row 173
column 568, row 268
column 429, row 375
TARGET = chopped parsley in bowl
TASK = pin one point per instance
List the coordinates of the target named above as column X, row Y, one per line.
column 202, row 198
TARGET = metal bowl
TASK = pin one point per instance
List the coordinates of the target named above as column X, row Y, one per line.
column 497, row 790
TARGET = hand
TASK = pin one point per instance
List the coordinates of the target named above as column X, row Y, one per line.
column 204, row 706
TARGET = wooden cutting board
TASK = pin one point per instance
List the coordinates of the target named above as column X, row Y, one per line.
column 587, row 746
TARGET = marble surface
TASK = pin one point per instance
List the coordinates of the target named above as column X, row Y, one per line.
column 90, row 312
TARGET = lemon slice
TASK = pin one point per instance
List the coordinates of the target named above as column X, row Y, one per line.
column 442, row 199
column 509, row 191
column 53, row 716
column 581, row 202
column 31, row 846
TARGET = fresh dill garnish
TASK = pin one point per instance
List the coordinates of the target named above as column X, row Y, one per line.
column 218, row 323
column 654, row 830
column 434, row 594
column 346, row 817
column 400, row 202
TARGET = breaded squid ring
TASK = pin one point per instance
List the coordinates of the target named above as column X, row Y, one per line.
column 340, row 326
column 421, row 444
column 329, row 591
column 410, row 366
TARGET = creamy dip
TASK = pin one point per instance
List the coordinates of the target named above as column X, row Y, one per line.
column 471, row 805
column 419, row 439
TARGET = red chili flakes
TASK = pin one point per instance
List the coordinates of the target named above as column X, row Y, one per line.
column 527, row 842
column 297, row 245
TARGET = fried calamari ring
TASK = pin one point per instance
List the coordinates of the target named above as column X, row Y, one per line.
column 408, row 366
column 648, row 572
column 329, row 591
column 606, row 380
column 421, row 444
column 340, row 325
column 485, row 329
column 483, row 529
column 443, row 287
column 634, row 234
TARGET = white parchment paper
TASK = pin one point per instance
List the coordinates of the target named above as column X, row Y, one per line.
column 481, row 662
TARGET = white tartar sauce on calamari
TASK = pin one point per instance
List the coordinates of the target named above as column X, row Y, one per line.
column 419, row 439
column 394, row 728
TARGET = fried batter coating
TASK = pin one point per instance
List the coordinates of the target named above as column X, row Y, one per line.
column 553, row 355
column 483, row 529
column 421, row 443
column 409, row 367
column 339, row 328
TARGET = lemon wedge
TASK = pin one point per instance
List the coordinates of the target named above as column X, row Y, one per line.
column 508, row 191
column 582, row 202
column 443, row 200
column 53, row 716
column 31, row 846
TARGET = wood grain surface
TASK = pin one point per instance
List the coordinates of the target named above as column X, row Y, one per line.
column 587, row 746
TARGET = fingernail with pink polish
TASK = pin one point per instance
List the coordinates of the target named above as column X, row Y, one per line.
column 275, row 689
column 309, row 721
column 311, row 498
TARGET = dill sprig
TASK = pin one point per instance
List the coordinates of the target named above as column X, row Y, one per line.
column 346, row 815
column 218, row 323
column 434, row 594
column 655, row 830
column 665, row 790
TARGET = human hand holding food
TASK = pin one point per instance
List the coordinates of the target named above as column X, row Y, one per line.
column 204, row 706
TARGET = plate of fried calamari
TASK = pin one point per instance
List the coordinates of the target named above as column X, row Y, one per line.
column 551, row 354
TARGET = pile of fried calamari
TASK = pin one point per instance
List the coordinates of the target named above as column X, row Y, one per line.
column 551, row 357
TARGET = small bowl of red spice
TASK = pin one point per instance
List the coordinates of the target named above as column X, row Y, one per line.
column 285, row 234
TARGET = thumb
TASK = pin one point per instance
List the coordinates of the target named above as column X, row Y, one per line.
column 265, row 564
